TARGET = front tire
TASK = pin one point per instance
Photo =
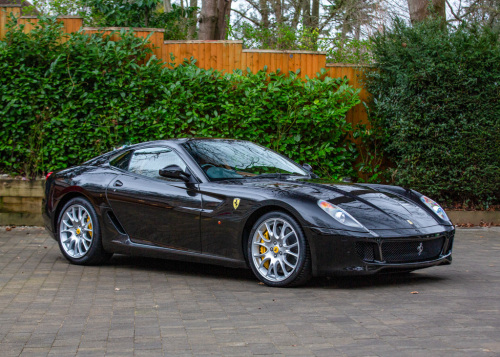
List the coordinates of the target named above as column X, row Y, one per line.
column 79, row 233
column 278, row 252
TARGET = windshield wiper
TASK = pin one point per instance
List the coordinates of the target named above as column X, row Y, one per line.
column 275, row 175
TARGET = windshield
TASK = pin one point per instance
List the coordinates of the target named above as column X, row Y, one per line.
column 233, row 159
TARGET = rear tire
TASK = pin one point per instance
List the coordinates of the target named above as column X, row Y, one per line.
column 79, row 233
column 278, row 252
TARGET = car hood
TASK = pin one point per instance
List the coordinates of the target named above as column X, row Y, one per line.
column 374, row 208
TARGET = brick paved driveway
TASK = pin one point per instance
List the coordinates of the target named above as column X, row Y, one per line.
column 149, row 307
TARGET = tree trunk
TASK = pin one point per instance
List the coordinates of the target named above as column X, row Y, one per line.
column 315, row 14
column 192, row 28
column 306, row 10
column 278, row 10
column 146, row 17
column 223, row 13
column 264, row 13
column 297, row 9
column 423, row 9
column 357, row 31
column 346, row 27
column 167, row 6
column 208, row 20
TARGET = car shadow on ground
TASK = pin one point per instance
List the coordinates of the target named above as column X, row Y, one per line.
column 181, row 268
column 413, row 279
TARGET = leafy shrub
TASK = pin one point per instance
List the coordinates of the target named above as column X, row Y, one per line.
column 63, row 102
column 437, row 97
column 176, row 22
column 353, row 51
column 279, row 37
column 119, row 12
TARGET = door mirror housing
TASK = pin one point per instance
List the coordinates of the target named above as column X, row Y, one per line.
column 309, row 169
column 175, row 171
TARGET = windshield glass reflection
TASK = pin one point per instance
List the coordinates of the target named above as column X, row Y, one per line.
column 233, row 159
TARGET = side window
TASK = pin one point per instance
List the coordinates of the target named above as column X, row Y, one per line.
column 148, row 162
column 122, row 160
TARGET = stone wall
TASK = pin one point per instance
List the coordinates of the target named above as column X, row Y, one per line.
column 21, row 202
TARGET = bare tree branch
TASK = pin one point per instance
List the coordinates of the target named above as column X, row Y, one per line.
column 246, row 17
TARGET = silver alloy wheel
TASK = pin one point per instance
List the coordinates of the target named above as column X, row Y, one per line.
column 76, row 231
column 275, row 249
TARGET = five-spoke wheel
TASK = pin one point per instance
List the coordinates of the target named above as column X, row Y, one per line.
column 278, row 252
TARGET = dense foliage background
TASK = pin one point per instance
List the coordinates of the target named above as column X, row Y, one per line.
column 436, row 109
column 63, row 102
column 435, row 114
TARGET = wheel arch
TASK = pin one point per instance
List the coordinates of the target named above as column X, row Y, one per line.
column 259, row 212
column 62, row 202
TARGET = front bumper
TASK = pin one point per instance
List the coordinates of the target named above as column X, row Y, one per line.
column 353, row 253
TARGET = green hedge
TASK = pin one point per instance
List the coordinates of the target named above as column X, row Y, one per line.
column 437, row 103
column 63, row 103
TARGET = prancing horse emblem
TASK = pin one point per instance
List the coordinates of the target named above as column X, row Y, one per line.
column 420, row 248
column 236, row 203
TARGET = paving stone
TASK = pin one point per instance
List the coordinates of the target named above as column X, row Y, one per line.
column 149, row 307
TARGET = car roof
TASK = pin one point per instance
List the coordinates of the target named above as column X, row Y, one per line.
column 118, row 151
column 178, row 141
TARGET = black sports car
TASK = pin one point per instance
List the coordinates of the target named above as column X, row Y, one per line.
column 238, row 204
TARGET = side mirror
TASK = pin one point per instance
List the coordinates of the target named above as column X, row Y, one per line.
column 175, row 171
column 309, row 169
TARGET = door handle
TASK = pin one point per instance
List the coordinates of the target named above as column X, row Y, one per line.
column 118, row 183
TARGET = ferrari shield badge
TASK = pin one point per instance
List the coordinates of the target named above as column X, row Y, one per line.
column 236, row 203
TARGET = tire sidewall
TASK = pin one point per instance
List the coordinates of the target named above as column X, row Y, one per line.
column 96, row 239
column 302, row 243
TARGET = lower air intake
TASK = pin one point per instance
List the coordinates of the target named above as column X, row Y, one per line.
column 366, row 251
column 412, row 251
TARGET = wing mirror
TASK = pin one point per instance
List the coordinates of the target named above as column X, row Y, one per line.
column 175, row 171
column 309, row 169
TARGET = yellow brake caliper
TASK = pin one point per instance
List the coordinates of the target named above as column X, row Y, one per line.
column 263, row 249
column 89, row 227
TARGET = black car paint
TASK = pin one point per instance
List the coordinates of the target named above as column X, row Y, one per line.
column 196, row 220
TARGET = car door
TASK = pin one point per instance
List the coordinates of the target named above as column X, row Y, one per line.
column 154, row 209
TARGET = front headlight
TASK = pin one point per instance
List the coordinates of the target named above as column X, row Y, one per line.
column 339, row 214
column 437, row 209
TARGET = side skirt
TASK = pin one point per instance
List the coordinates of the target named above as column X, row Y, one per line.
column 127, row 247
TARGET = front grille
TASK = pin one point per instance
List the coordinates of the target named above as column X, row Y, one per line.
column 412, row 251
column 366, row 251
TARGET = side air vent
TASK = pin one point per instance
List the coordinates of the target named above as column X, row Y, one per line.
column 115, row 222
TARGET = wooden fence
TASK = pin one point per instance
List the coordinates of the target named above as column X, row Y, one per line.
column 220, row 55
column 5, row 11
column 230, row 55
column 70, row 23
column 354, row 73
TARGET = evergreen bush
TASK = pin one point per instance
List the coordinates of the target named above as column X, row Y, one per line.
column 436, row 98
column 66, row 100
